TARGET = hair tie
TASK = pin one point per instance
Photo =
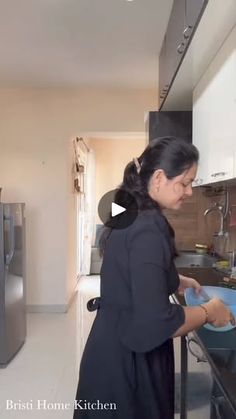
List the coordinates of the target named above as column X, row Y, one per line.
column 137, row 164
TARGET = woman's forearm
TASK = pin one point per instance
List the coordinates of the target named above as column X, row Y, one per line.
column 195, row 317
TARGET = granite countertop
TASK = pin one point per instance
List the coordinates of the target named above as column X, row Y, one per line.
column 219, row 348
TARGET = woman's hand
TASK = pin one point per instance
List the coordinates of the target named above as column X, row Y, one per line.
column 218, row 314
column 186, row 282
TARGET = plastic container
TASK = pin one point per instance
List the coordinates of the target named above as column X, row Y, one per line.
column 228, row 296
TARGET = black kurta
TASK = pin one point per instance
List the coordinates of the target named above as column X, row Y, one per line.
column 127, row 368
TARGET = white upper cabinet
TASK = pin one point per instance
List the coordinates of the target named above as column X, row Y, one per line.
column 214, row 116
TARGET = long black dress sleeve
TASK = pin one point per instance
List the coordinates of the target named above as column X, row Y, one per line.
column 152, row 318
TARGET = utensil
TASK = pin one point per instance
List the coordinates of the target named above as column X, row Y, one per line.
column 232, row 319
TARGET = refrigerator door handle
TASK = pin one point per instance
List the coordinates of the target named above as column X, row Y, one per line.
column 9, row 255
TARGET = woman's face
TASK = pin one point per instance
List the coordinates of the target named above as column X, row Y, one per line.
column 171, row 193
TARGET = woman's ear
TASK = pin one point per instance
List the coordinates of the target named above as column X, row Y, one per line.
column 158, row 176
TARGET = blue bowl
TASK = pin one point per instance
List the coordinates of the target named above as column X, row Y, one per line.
column 228, row 296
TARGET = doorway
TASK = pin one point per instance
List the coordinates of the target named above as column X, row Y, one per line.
column 104, row 158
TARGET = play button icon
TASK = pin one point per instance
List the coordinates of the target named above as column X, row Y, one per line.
column 117, row 209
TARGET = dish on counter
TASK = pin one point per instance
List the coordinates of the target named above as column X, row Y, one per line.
column 228, row 296
column 201, row 248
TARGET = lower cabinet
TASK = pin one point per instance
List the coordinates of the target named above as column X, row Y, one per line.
column 204, row 398
column 199, row 382
column 220, row 408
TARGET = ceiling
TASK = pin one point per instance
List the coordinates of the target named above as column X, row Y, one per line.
column 73, row 43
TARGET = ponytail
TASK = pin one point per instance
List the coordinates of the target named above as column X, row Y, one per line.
column 170, row 154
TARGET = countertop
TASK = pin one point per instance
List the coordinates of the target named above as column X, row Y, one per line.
column 219, row 348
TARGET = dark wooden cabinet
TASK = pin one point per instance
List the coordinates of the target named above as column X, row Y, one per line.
column 175, row 44
column 163, row 76
column 171, row 123
column 221, row 407
column 193, row 12
column 184, row 18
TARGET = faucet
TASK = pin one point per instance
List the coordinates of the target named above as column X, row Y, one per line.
column 223, row 210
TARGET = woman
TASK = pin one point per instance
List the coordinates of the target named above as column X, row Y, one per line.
column 127, row 368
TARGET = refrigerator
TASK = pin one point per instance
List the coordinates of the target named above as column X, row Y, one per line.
column 12, row 281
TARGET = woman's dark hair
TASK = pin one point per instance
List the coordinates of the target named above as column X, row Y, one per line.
column 170, row 154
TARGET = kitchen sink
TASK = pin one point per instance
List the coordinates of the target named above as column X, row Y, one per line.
column 192, row 259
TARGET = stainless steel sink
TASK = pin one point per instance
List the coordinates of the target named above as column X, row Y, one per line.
column 191, row 259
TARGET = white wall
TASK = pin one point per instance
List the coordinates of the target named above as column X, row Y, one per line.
column 36, row 127
column 109, row 172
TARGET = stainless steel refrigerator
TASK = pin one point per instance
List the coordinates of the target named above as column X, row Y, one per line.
column 12, row 281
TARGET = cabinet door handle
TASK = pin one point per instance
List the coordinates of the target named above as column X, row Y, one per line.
column 180, row 48
column 165, row 88
column 218, row 174
column 199, row 358
column 198, row 181
column 10, row 254
column 187, row 31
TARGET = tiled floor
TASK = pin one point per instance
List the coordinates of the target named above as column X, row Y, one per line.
column 46, row 368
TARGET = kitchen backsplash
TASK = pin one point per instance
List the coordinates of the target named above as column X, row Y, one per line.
column 188, row 222
column 191, row 226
